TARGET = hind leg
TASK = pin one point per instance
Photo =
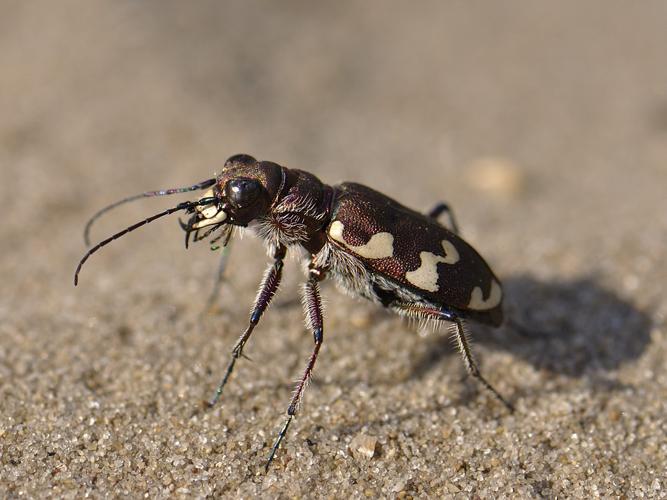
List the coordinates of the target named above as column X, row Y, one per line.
column 421, row 311
column 440, row 209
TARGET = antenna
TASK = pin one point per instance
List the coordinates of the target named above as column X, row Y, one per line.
column 148, row 194
column 181, row 206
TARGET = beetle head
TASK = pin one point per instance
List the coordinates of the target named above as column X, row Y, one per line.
column 244, row 191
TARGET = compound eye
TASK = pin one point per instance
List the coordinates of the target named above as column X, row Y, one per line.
column 242, row 192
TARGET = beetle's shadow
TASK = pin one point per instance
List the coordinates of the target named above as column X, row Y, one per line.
column 566, row 327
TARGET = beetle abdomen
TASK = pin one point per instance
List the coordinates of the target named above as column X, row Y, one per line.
column 413, row 250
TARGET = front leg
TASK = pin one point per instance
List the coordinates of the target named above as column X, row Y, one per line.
column 267, row 290
column 312, row 304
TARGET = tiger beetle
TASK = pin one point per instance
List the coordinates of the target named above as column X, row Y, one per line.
column 371, row 245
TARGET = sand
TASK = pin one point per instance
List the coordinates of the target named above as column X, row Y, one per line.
column 543, row 125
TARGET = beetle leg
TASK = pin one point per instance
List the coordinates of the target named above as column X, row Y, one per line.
column 469, row 360
column 219, row 278
column 312, row 304
column 267, row 290
column 414, row 309
column 441, row 208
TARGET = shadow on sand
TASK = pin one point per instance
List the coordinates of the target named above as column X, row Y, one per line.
column 567, row 327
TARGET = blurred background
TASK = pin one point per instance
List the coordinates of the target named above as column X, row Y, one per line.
column 543, row 125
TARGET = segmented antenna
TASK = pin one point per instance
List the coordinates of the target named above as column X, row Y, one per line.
column 147, row 194
column 181, row 206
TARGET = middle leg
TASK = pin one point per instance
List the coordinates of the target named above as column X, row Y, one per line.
column 312, row 304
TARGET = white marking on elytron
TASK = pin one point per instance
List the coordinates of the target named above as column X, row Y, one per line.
column 217, row 219
column 380, row 246
column 451, row 253
column 477, row 301
column 426, row 275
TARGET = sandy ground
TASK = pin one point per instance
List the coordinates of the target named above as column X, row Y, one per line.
column 544, row 125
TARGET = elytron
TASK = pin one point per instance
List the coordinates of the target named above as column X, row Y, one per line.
column 371, row 245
